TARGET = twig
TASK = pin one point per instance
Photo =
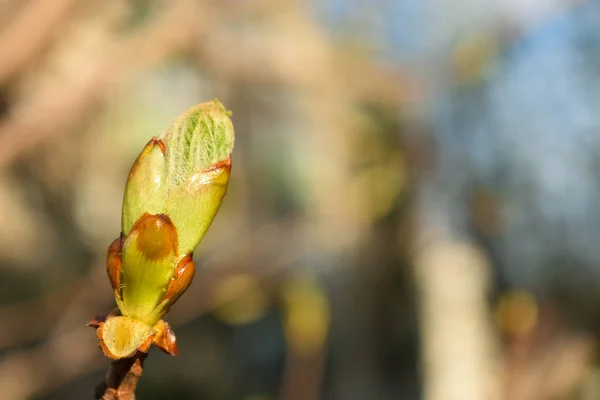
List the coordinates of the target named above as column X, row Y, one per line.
column 29, row 32
column 122, row 379
column 42, row 118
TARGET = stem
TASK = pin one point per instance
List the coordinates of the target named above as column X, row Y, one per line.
column 122, row 378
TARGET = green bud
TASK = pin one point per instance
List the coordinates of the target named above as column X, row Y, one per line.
column 173, row 193
column 183, row 173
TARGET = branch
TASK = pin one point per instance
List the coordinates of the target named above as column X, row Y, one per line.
column 29, row 32
column 70, row 101
column 122, row 378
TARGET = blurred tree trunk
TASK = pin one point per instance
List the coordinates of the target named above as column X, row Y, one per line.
column 458, row 348
column 459, row 355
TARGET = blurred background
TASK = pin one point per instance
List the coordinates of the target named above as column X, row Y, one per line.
column 413, row 211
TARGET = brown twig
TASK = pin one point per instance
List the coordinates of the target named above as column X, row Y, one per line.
column 32, row 122
column 122, row 378
column 28, row 33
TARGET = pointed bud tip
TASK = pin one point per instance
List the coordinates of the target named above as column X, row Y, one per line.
column 214, row 105
column 200, row 137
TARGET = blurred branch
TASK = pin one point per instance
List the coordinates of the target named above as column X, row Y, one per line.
column 33, row 27
column 188, row 27
column 70, row 102
column 314, row 62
